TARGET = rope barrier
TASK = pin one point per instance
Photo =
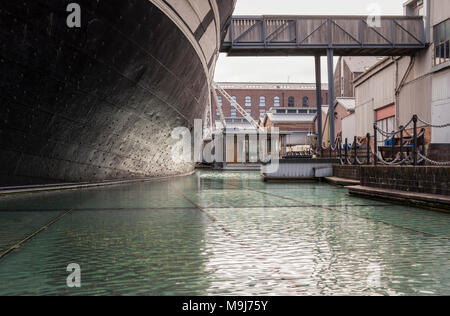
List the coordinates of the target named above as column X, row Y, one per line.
column 431, row 125
column 437, row 163
column 410, row 158
column 395, row 162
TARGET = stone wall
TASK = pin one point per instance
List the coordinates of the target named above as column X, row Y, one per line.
column 423, row 179
column 347, row 172
column 439, row 152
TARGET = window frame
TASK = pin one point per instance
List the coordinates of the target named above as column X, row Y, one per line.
column 262, row 113
column 248, row 101
column 305, row 104
column 262, row 101
column 441, row 41
column 291, row 102
column 277, row 101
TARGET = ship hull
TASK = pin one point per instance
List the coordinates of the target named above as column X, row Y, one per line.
column 97, row 102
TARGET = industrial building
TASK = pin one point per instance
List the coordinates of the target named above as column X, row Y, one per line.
column 396, row 88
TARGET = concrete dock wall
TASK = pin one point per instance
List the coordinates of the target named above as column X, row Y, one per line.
column 421, row 179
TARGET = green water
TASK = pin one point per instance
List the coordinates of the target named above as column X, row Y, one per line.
column 222, row 234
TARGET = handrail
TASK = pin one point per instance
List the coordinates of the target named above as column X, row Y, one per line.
column 306, row 33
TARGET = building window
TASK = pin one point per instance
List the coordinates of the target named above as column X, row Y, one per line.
column 276, row 101
column 249, row 112
column 442, row 42
column 262, row 101
column 233, row 113
column 262, row 113
column 291, row 102
column 234, row 103
column 305, row 102
column 248, row 101
column 220, row 101
column 217, row 115
column 387, row 125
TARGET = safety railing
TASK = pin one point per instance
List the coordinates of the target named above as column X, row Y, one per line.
column 404, row 146
column 325, row 31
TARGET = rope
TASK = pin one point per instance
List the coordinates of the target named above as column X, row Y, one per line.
column 391, row 134
column 437, row 163
column 395, row 162
column 434, row 126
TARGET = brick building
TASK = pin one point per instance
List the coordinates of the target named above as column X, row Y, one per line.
column 347, row 70
column 258, row 98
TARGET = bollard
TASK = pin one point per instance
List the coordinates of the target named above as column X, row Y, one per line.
column 423, row 143
column 415, row 141
column 393, row 145
column 368, row 149
column 340, row 150
column 346, row 151
column 401, row 144
column 375, row 144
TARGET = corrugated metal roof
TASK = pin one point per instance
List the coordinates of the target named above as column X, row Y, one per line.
column 297, row 115
column 348, row 103
column 235, row 124
column 288, row 118
column 269, row 86
column 360, row 64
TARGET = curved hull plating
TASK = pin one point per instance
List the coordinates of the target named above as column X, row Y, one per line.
column 99, row 102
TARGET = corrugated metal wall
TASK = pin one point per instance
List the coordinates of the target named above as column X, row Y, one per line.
column 373, row 94
column 415, row 98
column 441, row 107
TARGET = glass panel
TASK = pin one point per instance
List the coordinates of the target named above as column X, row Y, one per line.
column 305, row 102
column 447, row 30
column 291, row 102
column 439, row 33
column 447, row 50
column 262, row 101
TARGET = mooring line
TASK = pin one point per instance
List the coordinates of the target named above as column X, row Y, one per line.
column 11, row 249
column 352, row 214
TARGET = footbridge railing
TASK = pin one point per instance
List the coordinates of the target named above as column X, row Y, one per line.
column 310, row 35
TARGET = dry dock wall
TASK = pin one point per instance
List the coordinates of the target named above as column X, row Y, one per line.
column 421, row 179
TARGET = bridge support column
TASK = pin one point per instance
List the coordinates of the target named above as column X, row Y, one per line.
column 319, row 100
column 330, row 55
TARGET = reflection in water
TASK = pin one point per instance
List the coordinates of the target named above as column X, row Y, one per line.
column 223, row 233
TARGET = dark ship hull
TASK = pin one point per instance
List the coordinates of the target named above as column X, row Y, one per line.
column 99, row 102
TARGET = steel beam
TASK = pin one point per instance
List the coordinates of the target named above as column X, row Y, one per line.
column 330, row 56
column 319, row 100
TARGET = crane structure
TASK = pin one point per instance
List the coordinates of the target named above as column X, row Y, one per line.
column 236, row 105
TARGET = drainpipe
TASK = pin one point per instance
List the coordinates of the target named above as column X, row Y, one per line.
column 400, row 86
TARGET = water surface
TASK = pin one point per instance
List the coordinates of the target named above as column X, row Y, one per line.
column 222, row 234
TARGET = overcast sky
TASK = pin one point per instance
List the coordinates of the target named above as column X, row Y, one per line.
column 292, row 69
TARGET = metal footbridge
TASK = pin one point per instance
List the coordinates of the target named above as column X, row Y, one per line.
column 314, row 35
column 324, row 36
